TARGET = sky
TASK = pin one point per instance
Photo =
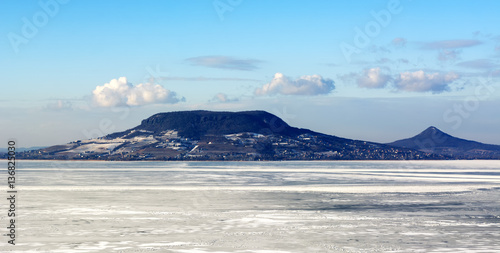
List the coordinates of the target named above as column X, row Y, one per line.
column 370, row 70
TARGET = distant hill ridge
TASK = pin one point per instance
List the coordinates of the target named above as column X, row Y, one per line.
column 196, row 124
column 436, row 141
column 253, row 136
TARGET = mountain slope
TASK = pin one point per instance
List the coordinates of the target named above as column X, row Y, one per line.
column 436, row 141
column 195, row 124
column 206, row 135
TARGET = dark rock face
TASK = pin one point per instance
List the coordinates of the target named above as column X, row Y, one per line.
column 196, row 124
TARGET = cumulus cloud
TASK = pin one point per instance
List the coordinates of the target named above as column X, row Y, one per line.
column 224, row 62
column 373, row 78
column 120, row 92
column 419, row 81
column 305, row 85
column 222, row 97
column 451, row 44
column 399, row 42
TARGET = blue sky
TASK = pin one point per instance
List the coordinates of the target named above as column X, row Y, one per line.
column 372, row 70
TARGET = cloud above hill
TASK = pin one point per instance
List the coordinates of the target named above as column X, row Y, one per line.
column 222, row 98
column 308, row 85
column 119, row 92
column 419, row 81
column 373, row 78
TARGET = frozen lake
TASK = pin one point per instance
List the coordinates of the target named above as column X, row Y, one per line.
column 261, row 207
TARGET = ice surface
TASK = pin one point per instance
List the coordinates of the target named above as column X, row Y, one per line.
column 258, row 207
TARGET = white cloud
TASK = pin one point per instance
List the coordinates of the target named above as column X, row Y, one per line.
column 372, row 78
column 305, row 85
column 419, row 81
column 120, row 92
column 221, row 97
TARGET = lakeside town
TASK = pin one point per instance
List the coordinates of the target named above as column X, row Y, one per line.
column 169, row 145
